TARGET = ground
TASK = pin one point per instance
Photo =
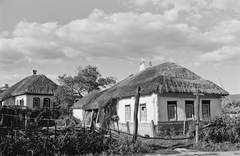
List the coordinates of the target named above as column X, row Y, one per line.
column 187, row 152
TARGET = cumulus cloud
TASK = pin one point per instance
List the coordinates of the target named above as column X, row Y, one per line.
column 129, row 36
column 4, row 34
column 186, row 5
column 225, row 55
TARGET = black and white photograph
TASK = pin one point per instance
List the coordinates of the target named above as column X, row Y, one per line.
column 119, row 77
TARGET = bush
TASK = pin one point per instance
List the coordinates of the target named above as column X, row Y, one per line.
column 219, row 129
column 124, row 146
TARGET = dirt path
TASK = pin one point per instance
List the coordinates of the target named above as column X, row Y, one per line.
column 187, row 152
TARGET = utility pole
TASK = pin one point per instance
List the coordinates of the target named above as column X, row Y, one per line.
column 198, row 110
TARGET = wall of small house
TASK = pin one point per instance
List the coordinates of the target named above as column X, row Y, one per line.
column 151, row 109
column 29, row 100
column 78, row 113
column 9, row 101
column 21, row 97
column 215, row 106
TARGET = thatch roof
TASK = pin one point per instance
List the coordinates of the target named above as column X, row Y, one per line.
column 86, row 99
column 34, row 84
column 163, row 78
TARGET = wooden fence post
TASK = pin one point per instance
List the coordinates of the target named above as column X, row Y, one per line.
column 55, row 129
column 198, row 109
column 153, row 128
column 110, row 135
column 37, row 130
column 135, row 117
column 47, row 130
column 128, row 129
column 91, row 122
column 184, row 127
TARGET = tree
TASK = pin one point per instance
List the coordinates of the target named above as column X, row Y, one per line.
column 86, row 80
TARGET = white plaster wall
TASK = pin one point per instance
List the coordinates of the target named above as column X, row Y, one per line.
column 78, row 113
column 9, row 101
column 151, row 106
column 30, row 100
column 215, row 107
column 21, row 97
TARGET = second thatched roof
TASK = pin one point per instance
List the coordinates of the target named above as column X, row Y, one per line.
column 34, row 84
column 163, row 78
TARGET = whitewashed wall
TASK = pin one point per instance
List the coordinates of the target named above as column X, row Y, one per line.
column 9, row 101
column 78, row 113
column 151, row 107
column 21, row 97
column 215, row 107
column 28, row 100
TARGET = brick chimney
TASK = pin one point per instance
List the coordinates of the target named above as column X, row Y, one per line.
column 34, row 72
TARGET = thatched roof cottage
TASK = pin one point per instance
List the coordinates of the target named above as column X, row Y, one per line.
column 35, row 91
column 167, row 94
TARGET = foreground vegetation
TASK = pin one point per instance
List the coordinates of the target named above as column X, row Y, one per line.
column 218, row 134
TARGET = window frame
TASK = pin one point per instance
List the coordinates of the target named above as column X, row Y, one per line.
column 34, row 104
column 44, row 103
column 189, row 102
column 206, row 102
column 168, row 110
column 141, row 118
column 128, row 116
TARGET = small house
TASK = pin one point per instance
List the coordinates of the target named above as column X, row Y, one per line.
column 35, row 91
column 166, row 97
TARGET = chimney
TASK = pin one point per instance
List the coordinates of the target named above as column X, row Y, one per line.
column 144, row 65
column 5, row 86
column 34, row 72
column 150, row 64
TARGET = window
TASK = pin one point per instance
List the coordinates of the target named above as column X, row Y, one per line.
column 205, row 108
column 172, row 110
column 36, row 103
column 22, row 102
column 46, row 103
column 189, row 108
column 143, row 112
column 127, row 112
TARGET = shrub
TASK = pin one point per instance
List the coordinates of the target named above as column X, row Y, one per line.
column 124, row 146
column 219, row 129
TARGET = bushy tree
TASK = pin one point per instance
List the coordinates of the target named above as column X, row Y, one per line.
column 86, row 80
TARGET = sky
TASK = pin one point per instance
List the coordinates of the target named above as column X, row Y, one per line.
column 55, row 37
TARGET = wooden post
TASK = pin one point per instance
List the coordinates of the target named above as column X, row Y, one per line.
column 91, row 122
column 37, row 130
column 135, row 117
column 153, row 128
column 55, row 130
column 110, row 135
column 184, row 127
column 47, row 130
column 25, row 121
column 128, row 129
column 197, row 122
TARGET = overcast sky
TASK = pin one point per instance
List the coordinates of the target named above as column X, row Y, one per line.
column 56, row 36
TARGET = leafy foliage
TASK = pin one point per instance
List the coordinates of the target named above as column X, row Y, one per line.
column 86, row 80
column 219, row 129
column 232, row 108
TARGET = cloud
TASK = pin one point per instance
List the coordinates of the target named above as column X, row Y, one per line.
column 4, row 34
column 181, row 30
column 225, row 55
column 185, row 5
